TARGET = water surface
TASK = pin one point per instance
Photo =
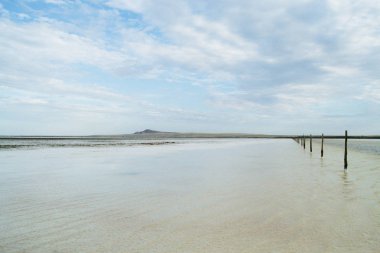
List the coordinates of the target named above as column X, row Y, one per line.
column 190, row 196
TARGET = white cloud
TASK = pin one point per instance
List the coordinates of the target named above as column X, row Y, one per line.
column 253, row 59
column 57, row 1
column 194, row 42
column 131, row 5
column 341, row 70
column 41, row 45
column 371, row 92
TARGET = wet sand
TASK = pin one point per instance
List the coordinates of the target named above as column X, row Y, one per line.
column 195, row 196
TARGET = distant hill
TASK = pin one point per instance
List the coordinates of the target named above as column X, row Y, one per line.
column 149, row 131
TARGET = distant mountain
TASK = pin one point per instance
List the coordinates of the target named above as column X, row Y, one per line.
column 148, row 131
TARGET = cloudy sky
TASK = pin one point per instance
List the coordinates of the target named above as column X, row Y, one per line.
column 118, row 66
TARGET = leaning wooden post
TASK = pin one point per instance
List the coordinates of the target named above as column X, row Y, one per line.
column 311, row 143
column 322, row 146
column 345, row 151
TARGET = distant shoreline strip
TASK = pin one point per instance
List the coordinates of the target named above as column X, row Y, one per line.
column 74, row 145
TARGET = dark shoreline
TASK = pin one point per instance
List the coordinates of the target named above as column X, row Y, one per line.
column 76, row 145
column 158, row 136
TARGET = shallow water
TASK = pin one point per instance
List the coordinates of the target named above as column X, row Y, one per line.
column 366, row 146
column 192, row 196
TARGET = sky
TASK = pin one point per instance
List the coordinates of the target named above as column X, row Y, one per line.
column 77, row 67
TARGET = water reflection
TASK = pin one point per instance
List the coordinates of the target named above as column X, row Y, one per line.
column 321, row 162
column 344, row 176
column 348, row 188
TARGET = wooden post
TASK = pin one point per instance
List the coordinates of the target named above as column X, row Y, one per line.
column 304, row 142
column 322, row 146
column 345, row 151
column 311, row 143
